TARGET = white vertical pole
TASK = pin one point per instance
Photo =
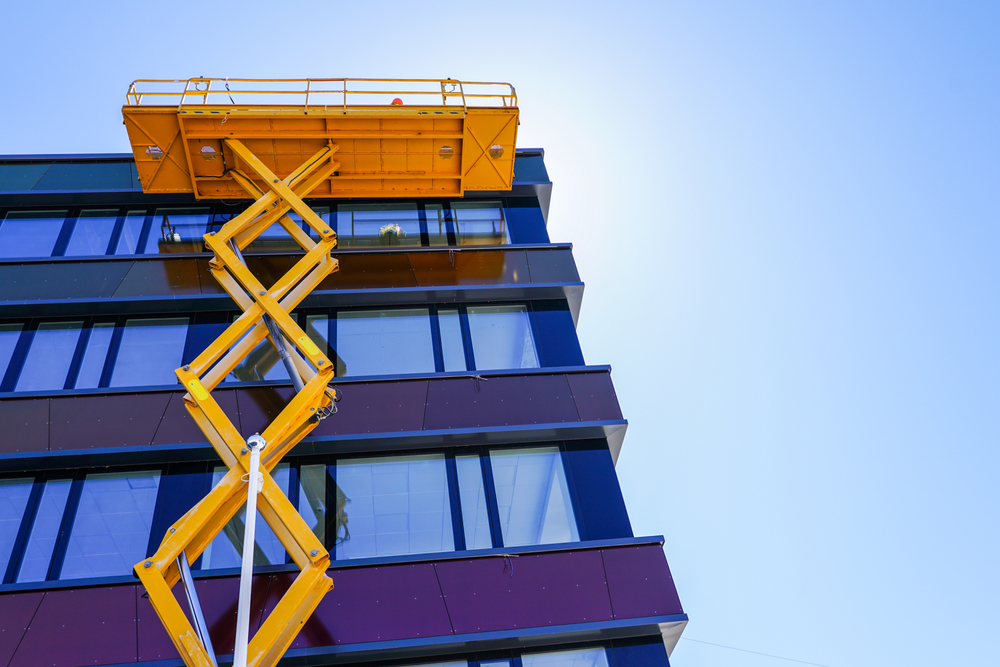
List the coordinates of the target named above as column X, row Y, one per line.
column 255, row 443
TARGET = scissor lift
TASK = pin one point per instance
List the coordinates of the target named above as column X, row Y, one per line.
column 223, row 139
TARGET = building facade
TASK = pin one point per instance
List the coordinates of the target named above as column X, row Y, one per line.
column 465, row 488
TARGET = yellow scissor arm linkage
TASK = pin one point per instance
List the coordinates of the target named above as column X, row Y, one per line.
column 396, row 137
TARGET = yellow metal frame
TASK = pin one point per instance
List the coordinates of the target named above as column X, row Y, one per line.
column 395, row 137
column 195, row 530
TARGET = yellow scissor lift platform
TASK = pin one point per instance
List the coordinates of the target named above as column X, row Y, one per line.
column 244, row 138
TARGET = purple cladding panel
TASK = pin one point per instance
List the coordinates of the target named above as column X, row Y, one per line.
column 114, row 420
column 154, row 644
column 259, row 407
column 544, row 589
column 499, row 401
column 83, row 626
column 377, row 407
column 25, row 425
column 640, row 583
column 16, row 611
column 595, row 396
column 219, row 600
column 178, row 427
column 376, row 604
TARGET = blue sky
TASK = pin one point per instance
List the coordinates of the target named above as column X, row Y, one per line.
column 786, row 216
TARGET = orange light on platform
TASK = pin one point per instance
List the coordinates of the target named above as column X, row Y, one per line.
column 397, row 101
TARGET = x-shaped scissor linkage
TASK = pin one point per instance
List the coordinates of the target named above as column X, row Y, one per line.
column 195, row 530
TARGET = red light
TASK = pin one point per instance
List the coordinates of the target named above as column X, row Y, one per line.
column 397, row 101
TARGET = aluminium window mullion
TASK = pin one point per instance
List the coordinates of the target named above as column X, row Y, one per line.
column 491, row 498
column 436, row 343
column 81, row 348
column 116, row 231
column 293, row 494
column 147, row 223
column 425, row 236
column 449, row 222
column 113, row 346
column 66, row 527
column 19, row 356
column 457, row 522
column 20, row 542
column 330, row 530
column 470, row 356
column 69, row 224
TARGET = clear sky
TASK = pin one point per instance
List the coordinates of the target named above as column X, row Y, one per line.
column 786, row 216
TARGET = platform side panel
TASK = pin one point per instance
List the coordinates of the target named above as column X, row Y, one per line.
column 488, row 149
column 159, row 152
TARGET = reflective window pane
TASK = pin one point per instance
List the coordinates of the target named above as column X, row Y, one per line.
column 312, row 498
column 9, row 335
column 480, row 223
column 177, row 230
column 437, row 223
column 395, row 505
column 111, row 530
column 131, row 231
column 150, row 352
column 378, row 225
column 451, row 340
column 501, row 337
column 386, row 342
column 263, row 363
column 44, row 531
column 95, row 355
column 30, row 233
column 92, row 233
column 226, row 550
column 533, row 497
column 593, row 657
column 13, row 499
column 475, row 511
column 49, row 356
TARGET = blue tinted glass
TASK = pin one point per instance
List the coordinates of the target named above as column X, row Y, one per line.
column 178, row 230
column 312, row 498
column 263, row 363
column 226, row 550
column 501, row 337
column 378, row 225
column 49, row 357
column 395, row 505
column 9, row 335
column 92, row 233
column 480, row 223
column 131, row 231
column 384, row 342
column 30, row 233
column 533, row 497
column 111, row 529
column 322, row 211
column 13, row 499
column 451, row 340
column 150, row 352
column 44, row 531
column 475, row 511
column 95, row 355
column 592, row 657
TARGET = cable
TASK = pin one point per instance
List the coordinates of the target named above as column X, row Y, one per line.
column 733, row 648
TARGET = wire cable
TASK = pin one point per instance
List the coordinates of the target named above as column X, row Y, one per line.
column 768, row 655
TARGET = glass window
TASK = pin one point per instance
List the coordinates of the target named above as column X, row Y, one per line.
column 276, row 238
column 437, row 223
column 593, row 657
column 480, row 223
column 131, row 231
column 94, row 357
column 475, row 511
column 178, row 230
column 451, row 340
column 533, row 497
column 226, row 550
column 92, row 233
column 395, row 505
column 378, row 225
column 501, row 337
column 30, row 233
column 9, row 335
column 150, row 352
column 44, row 531
column 263, row 363
column 13, row 499
column 49, row 357
column 312, row 498
column 384, row 342
column 111, row 529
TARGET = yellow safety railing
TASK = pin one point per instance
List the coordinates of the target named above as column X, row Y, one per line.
column 320, row 93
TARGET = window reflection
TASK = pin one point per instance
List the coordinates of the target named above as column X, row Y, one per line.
column 501, row 337
column 92, row 233
column 378, row 225
column 49, row 356
column 312, row 498
column 480, row 223
column 95, row 355
column 475, row 510
column 384, row 342
column 226, row 550
column 44, row 531
column 150, row 352
column 131, row 233
column 594, row 657
column 30, row 233
column 13, row 499
column 177, row 230
column 111, row 529
column 9, row 335
column 533, row 497
column 395, row 505
column 452, row 347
